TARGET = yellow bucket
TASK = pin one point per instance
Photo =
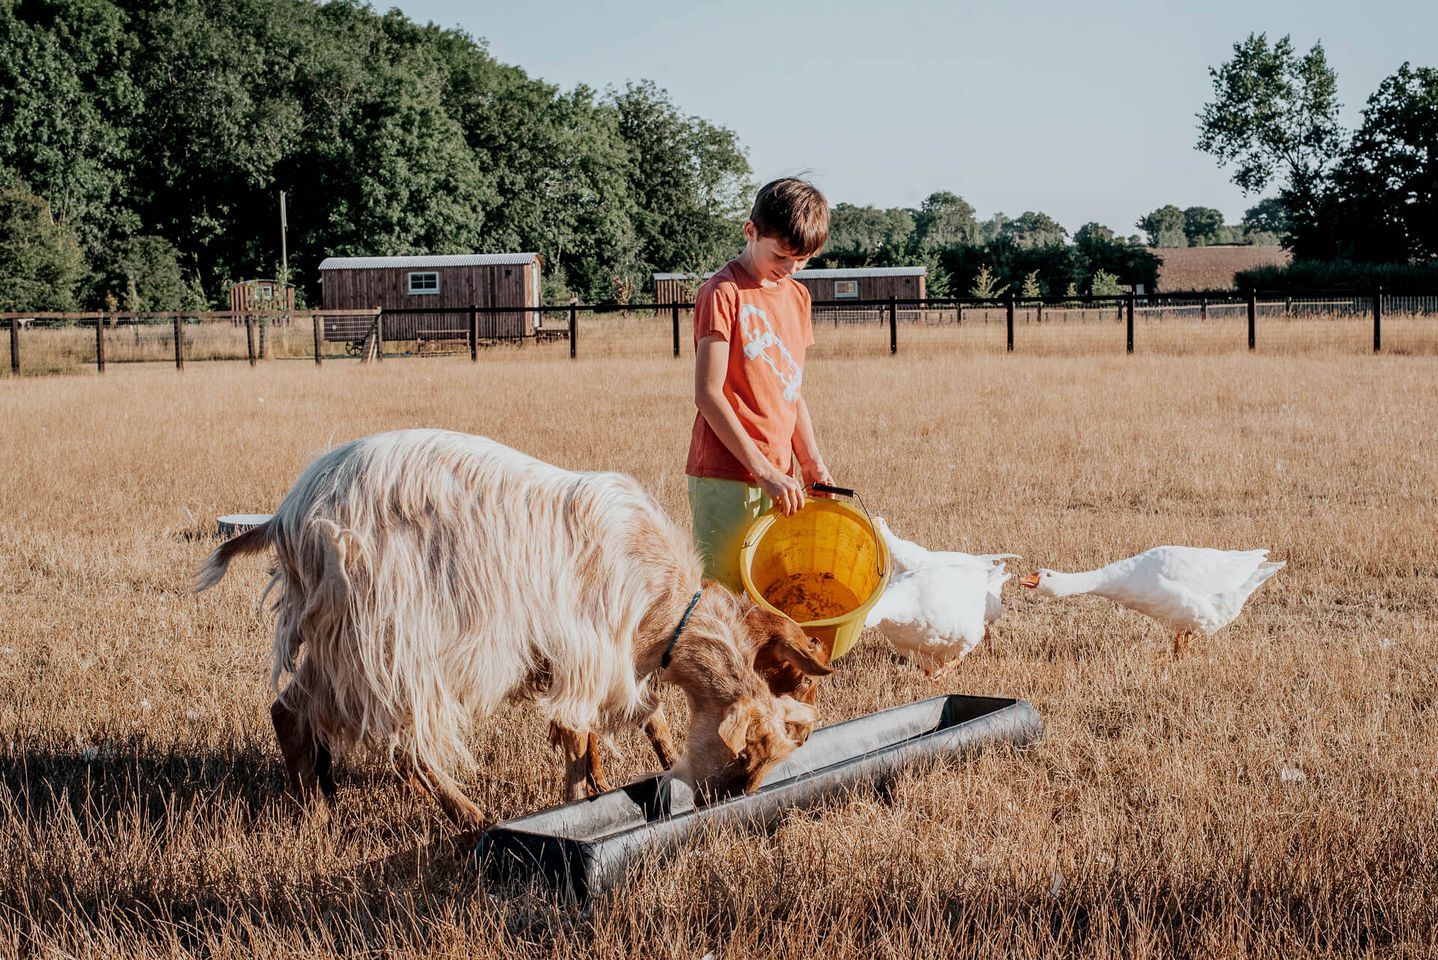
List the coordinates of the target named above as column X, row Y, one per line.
column 823, row 567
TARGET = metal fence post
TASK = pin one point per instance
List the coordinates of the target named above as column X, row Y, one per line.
column 1378, row 318
column 179, row 346
column 474, row 333
column 675, row 308
column 959, row 311
column 264, row 325
column 1252, row 320
column 1009, row 319
column 379, row 335
column 893, row 325
column 15, row 346
column 573, row 329
column 1128, row 317
column 316, row 319
column 250, row 337
column 1203, row 309
column 100, row 344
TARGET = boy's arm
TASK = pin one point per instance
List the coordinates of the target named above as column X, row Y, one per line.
column 806, row 448
column 711, row 363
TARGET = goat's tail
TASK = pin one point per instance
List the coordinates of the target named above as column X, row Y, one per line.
column 251, row 541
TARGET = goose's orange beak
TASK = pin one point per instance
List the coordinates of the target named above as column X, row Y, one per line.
column 1031, row 581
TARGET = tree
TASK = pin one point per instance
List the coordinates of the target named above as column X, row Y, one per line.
column 689, row 178
column 67, row 105
column 1386, row 187
column 1203, row 226
column 992, row 228
column 1104, row 284
column 40, row 259
column 1274, row 116
column 1031, row 289
column 1034, row 229
column 862, row 236
column 1097, row 249
column 986, row 286
column 1090, row 234
column 945, row 219
column 145, row 274
column 1164, row 227
column 1267, row 216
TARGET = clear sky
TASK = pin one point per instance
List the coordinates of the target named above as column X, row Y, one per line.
column 1084, row 110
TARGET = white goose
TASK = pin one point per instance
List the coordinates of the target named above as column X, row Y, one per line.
column 1187, row 589
column 939, row 604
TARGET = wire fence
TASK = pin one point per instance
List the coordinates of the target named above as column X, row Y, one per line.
column 1180, row 323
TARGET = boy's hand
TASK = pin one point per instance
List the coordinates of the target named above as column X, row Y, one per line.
column 786, row 492
column 817, row 473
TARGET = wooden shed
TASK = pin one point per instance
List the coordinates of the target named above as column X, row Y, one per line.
column 260, row 296
column 678, row 287
column 431, row 298
column 864, row 283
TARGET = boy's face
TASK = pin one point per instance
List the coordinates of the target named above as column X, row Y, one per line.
column 771, row 260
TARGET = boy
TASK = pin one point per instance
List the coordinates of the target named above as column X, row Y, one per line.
column 751, row 328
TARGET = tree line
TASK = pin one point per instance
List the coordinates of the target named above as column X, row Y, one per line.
column 143, row 145
column 1030, row 255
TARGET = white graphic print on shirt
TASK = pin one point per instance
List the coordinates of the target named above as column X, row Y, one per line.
column 757, row 343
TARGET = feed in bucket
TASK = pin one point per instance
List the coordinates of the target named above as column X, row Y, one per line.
column 823, row 567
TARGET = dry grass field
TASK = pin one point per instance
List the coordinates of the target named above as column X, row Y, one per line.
column 1274, row 794
column 1212, row 268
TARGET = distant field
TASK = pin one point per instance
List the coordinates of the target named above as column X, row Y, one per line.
column 1275, row 794
column 1211, row 268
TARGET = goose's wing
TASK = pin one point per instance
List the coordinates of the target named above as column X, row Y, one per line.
column 905, row 554
column 897, row 603
column 899, row 616
column 954, row 602
column 1205, row 571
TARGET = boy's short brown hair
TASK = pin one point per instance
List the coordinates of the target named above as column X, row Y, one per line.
column 793, row 212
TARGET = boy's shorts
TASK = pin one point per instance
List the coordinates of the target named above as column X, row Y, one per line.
column 722, row 511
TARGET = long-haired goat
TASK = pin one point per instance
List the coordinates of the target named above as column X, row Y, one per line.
column 427, row 576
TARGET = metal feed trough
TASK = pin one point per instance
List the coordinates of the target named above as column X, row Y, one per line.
column 234, row 524
column 582, row 847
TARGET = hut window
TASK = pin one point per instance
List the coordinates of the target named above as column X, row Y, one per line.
column 846, row 289
column 423, row 283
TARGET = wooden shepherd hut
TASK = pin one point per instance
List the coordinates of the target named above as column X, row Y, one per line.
column 431, row 298
column 864, row 283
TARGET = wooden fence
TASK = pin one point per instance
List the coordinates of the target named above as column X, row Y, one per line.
column 369, row 334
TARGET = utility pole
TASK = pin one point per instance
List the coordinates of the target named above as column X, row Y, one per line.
column 284, row 253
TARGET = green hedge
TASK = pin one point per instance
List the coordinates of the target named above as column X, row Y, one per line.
column 1305, row 275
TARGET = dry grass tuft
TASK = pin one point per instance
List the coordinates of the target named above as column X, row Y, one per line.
column 1274, row 794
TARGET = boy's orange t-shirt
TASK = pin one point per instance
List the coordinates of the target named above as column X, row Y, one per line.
column 768, row 330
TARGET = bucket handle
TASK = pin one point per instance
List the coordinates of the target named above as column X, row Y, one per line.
column 853, row 494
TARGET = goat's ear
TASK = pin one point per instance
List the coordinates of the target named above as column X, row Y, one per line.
column 777, row 639
column 799, row 719
column 734, row 728
column 803, row 651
